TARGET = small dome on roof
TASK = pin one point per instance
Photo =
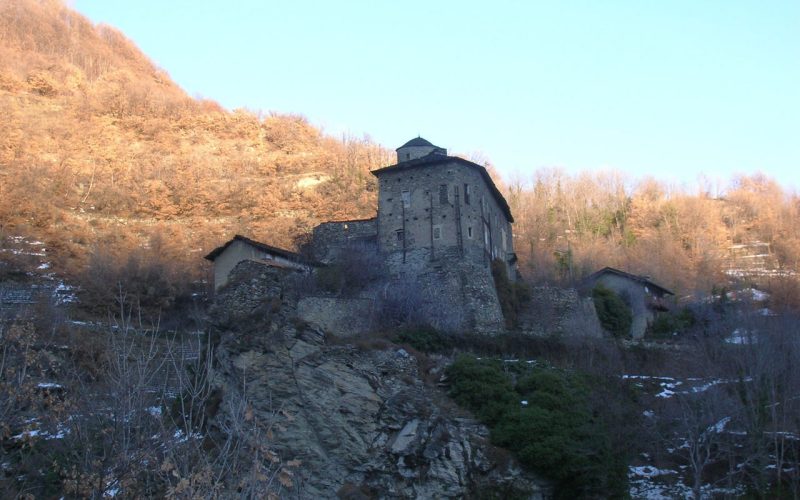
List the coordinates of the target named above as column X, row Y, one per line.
column 417, row 148
column 416, row 142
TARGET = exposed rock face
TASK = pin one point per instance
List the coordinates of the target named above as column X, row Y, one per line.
column 362, row 421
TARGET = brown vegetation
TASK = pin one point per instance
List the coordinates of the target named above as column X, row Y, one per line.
column 100, row 153
column 100, row 150
column 571, row 225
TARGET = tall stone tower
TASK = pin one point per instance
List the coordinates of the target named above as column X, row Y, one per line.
column 441, row 222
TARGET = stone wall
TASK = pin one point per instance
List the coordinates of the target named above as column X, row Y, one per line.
column 331, row 238
column 339, row 316
column 255, row 289
column 454, row 294
column 559, row 311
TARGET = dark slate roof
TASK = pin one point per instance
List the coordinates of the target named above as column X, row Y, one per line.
column 416, row 142
column 645, row 280
column 286, row 254
column 438, row 158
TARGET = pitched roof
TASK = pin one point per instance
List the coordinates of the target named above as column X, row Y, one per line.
column 416, row 142
column 438, row 158
column 286, row 254
column 634, row 277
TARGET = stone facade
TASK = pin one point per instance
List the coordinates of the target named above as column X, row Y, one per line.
column 330, row 239
column 438, row 204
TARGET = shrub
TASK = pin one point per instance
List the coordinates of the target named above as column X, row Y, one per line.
column 666, row 324
column 481, row 387
column 555, row 433
column 425, row 339
column 613, row 313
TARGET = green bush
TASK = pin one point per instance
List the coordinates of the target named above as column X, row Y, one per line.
column 666, row 324
column 554, row 434
column 613, row 313
column 424, row 339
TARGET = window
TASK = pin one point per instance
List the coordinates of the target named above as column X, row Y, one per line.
column 406, row 199
column 469, row 232
column 443, row 200
column 503, row 240
column 400, row 235
column 437, row 232
column 467, row 192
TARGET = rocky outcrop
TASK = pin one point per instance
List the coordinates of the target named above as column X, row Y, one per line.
column 360, row 421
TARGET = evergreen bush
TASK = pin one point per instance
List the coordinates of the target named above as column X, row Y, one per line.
column 613, row 313
column 543, row 416
column 425, row 339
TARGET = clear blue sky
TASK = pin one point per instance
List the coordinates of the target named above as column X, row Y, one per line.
column 669, row 89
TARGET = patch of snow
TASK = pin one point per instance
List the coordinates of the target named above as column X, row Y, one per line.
column 43, row 266
column 646, row 377
column 740, row 336
column 49, row 385
column 668, row 389
column 181, row 436
column 709, row 385
column 524, row 402
column 649, row 471
column 111, row 491
column 154, row 410
column 649, row 413
column 719, row 426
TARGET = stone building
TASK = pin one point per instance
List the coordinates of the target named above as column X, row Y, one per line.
column 240, row 248
column 645, row 297
column 433, row 206
column 440, row 223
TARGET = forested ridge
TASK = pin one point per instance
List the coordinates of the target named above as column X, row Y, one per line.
column 103, row 157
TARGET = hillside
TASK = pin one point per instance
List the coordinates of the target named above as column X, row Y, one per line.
column 100, row 150
column 112, row 166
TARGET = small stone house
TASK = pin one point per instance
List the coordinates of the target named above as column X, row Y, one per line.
column 240, row 248
column 645, row 297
